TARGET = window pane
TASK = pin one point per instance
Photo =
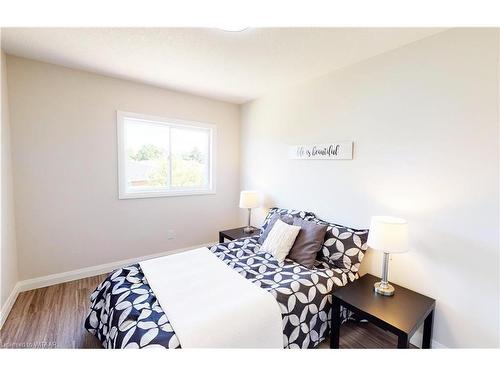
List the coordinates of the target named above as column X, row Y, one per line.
column 190, row 157
column 146, row 147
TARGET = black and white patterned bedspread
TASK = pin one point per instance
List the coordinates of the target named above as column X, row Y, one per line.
column 125, row 313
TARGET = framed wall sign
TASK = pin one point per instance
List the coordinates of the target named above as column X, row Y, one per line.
column 323, row 151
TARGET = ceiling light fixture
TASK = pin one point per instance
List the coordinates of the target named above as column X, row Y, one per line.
column 233, row 29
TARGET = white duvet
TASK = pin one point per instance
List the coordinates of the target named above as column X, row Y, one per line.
column 210, row 305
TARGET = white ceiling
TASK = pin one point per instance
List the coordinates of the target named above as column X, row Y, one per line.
column 230, row 66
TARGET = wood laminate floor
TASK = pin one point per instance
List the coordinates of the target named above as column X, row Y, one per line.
column 53, row 317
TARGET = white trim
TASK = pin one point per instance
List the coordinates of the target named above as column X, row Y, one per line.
column 4, row 312
column 123, row 193
column 159, row 194
column 58, row 278
column 416, row 340
column 43, row 281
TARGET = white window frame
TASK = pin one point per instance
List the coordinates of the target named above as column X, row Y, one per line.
column 124, row 193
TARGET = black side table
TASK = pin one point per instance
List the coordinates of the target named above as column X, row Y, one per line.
column 236, row 233
column 402, row 314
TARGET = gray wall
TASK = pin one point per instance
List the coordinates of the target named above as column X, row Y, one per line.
column 424, row 121
column 8, row 253
column 65, row 171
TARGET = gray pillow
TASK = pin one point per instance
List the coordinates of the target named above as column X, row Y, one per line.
column 272, row 220
column 308, row 242
column 288, row 213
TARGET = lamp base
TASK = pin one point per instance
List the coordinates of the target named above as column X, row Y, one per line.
column 385, row 289
column 248, row 230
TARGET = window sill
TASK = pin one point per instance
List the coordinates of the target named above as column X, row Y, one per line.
column 162, row 194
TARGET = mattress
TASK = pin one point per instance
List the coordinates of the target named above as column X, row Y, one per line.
column 125, row 313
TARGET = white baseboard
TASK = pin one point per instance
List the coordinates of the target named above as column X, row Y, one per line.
column 4, row 312
column 58, row 278
column 416, row 340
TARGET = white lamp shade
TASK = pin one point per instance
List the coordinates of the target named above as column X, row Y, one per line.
column 249, row 199
column 388, row 234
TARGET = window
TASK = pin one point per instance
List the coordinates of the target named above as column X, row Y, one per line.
column 160, row 157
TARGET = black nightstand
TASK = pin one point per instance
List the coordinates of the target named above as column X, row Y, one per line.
column 402, row 314
column 236, row 233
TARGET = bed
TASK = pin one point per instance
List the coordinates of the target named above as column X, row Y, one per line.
column 125, row 312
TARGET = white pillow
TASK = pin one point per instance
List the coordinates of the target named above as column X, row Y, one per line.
column 280, row 240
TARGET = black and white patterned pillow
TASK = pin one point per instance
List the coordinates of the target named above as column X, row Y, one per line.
column 343, row 247
column 285, row 212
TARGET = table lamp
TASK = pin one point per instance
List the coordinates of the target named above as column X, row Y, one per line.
column 390, row 235
column 249, row 199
